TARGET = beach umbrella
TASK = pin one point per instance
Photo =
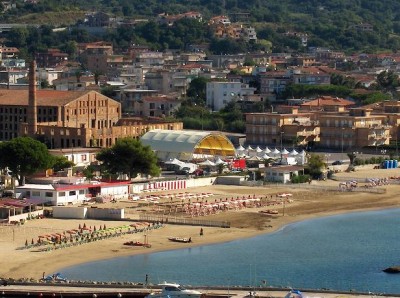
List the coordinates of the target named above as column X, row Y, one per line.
column 249, row 148
column 240, row 148
column 258, row 149
column 293, row 152
column 267, row 150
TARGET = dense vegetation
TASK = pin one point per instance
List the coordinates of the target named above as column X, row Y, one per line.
column 326, row 23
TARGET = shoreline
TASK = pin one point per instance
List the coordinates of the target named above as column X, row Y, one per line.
column 208, row 243
column 245, row 223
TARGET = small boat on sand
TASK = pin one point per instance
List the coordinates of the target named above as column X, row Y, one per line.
column 172, row 290
column 137, row 243
column 180, row 239
column 269, row 211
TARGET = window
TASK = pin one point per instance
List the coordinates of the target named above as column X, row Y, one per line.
column 49, row 194
column 61, row 194
column 82, row 192
column 72, row 193
column 35, row 193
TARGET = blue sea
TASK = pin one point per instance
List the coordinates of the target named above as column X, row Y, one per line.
column 344, row 252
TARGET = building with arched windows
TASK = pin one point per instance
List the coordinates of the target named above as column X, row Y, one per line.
column 68, row 119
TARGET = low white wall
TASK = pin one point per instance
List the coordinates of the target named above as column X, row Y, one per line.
column 106, row 213
column 230, row 180
column 24, row 216
column 88, row 212
column 200, row 182
column 70, row 212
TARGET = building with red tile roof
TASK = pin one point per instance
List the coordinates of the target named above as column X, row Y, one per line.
column 67, row 119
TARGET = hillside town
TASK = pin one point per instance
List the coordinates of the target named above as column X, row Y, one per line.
column 150, row 86
column 59, row 99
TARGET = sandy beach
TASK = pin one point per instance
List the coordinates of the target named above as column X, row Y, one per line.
column 246, row 222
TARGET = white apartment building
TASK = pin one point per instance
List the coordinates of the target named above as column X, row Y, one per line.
column 219, row 94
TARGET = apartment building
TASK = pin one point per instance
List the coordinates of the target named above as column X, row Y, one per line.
column 287, row 128
column 219, row 94
column 341, row 129
column 356, row 129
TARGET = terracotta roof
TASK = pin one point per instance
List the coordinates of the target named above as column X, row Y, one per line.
column 44, row 97
column 192, row 66
column 328, row 101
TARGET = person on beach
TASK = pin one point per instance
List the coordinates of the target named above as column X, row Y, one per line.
column 201, row 231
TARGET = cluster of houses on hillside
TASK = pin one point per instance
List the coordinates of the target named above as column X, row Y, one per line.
column 150, row 86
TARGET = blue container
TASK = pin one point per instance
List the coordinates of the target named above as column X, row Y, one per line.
column 385, row 164
column 391, row 163
column 396, row 164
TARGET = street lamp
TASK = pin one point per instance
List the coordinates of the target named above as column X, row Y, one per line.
column 327, row 159
column 342, row 137
column 281, row 145
column 201, row 115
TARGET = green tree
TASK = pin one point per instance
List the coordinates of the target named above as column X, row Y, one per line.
column 24, row 156
column 18, row 36
column 129, row 156
column 60, row 162
column 197, row 90
column 315, row 165
column 387, row 81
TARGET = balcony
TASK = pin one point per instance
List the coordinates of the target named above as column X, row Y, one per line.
column 306, row 133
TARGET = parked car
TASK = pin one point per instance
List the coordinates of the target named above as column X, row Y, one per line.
column 337, row 163
column 183, row 171
column 198, row 172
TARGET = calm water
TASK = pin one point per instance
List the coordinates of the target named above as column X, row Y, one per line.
column 340, row 252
